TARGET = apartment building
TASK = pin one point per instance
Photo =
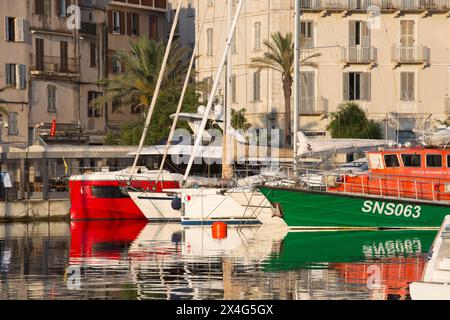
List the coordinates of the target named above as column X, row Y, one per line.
column 389, row 56
column 128, row 20
column 51, row 65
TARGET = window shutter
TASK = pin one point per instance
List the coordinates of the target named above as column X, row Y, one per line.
column 365, row 34
column 137, row 24
column 110, row 22
column 21, row 76
column 19, row 34
column 352, row 34
column 128, row 24
column 6, row 29
column 366, row 86
column 122, row 22
column 346, row 86
column 8, row 75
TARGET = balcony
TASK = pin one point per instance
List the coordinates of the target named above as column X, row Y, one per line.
column 313, row 106
column 358, row 55
column 384, row 5
column 88, row 28
column 411, row 55
column 55, row 67
column 160, row 5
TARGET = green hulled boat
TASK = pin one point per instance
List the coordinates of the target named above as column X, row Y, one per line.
column 314, row 209
column 313, row 249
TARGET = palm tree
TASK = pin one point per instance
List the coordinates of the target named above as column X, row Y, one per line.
column 280, row 57
column 141, row 64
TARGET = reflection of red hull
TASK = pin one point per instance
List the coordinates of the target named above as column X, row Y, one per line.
column 395, row 273
column 101, row 239
column 104, row 199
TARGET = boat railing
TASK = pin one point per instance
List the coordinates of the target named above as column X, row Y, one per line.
column 429, row 188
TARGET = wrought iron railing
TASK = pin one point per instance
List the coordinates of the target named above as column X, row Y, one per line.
column 55, row 65
column 418, row 54
column 364, row 5
column 313, row 106
column 358, row 54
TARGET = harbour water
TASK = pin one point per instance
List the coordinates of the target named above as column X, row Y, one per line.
column 136, row 260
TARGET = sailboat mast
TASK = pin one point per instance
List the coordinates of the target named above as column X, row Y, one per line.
column 297, row 96
column 158, row 85
column 201, row 130
column 226, row 139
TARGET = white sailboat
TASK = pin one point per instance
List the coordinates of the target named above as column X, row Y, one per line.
column 435, row 284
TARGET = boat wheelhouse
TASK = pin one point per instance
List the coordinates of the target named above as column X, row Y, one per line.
column 403, row 188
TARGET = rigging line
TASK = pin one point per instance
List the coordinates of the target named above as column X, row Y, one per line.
column 213, row 92
column 180, row 102
column 158, row 85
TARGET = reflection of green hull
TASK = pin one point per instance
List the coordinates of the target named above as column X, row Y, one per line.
column 312, row 249
column 304, row 209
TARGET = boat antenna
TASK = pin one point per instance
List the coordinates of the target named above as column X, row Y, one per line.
column 180, row 102
column 158, row 86
column 211, row 98
column 297, row 96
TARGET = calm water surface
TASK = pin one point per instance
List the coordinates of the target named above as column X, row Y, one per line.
column 136, row 260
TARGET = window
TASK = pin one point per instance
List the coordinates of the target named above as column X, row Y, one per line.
column 116, row 66
column 13, row 129
column 39, row 54
column 434, row 160
column 359, row 34
column 62, row 8
column 136, row 109
column 233, row 89
column 307, row 34
column 411, row 160
column 133, row 24
column 357, row 86
column 208, row 81
column 209, row 42
column 233, row 44
column 51, row 99
column 407, row 86
column 190, row 11
column 116, row 106
column 448, row 161
column 39, row 7
column 257, row 86
column 94, row 111
column 407, row 33
column 93, row 54
column 64, row 56
column 10, row 29
column 10, row 70
column 391, row 161
column 109, row 192
column 116, row 22
column 210, row 3
column 257, row 36
column 153, row 27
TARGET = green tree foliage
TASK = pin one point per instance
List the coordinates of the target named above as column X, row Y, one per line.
column 136, row 86
column 239, row 121
column 351, row 122
column 280, row 57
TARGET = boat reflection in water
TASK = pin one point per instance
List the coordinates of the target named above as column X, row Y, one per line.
column 167, row 261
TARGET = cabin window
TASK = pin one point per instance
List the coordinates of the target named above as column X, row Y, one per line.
column 391, row 161
column 434, row 160
column 411, row 160
column 109, row 192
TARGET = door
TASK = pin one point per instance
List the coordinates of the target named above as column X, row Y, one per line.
column 407, row 40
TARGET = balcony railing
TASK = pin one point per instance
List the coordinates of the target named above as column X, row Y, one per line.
column 307, row 53
column 157, row 4
column 364, row 5
column 56, row 66
column 359, row 54
column 313, row 106
column 419, row 54
column 88, row 28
